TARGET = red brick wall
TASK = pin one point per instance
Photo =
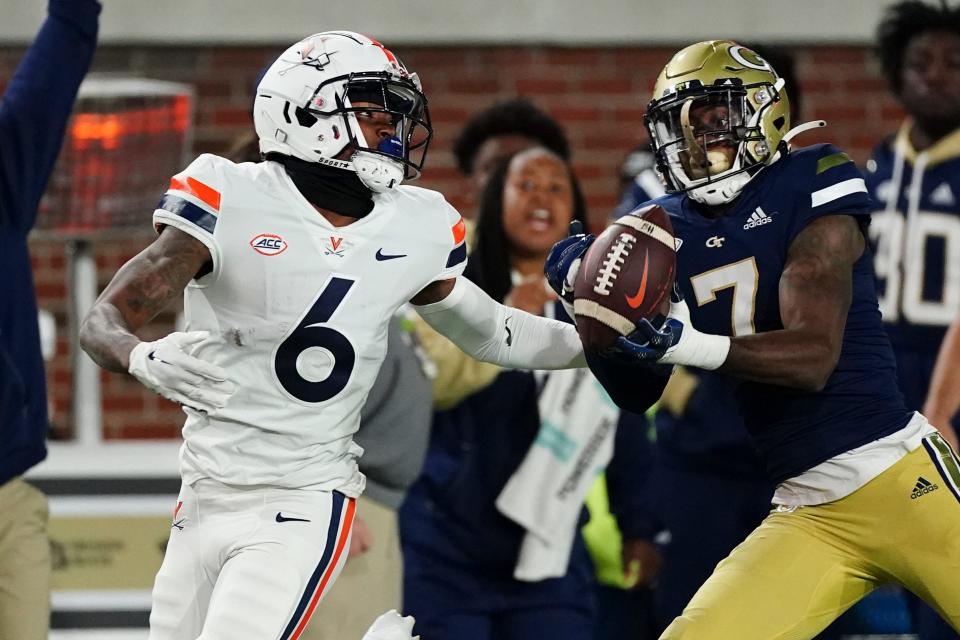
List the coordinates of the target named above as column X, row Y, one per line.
column 596, row 93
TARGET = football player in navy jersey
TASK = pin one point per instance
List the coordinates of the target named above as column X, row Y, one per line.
column 778, row 288
column 914, row 180
column 711, row 487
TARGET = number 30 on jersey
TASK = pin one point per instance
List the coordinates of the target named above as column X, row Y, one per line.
column 902, row 262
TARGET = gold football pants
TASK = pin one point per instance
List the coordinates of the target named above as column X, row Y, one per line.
column 800, row 569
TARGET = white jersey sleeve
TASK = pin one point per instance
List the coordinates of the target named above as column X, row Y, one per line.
column 192, row 203
column 457, row 258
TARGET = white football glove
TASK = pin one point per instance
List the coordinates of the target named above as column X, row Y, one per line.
column 165, row 366
column 391, row 626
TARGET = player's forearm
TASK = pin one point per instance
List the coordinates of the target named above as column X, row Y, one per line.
column 106, row 337
column 943, row 398
column 790, row 358
column 141, row 289
column 491, row 332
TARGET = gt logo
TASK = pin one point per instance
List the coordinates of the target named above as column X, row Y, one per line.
column 268, row 244
column 716, row 242
column 740, row 53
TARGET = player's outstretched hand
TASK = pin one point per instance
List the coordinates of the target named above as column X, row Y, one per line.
column 676, row 341
column 391, row 626
column 166, row 366
column 563, row 263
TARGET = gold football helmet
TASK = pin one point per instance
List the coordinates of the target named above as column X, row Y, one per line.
column 719, row 114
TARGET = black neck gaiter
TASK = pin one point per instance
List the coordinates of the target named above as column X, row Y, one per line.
column 336, row 190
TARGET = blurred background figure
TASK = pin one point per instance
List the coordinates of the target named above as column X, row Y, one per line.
column 486, row 139
column 467, row 572
column 33, row 116
column 498, row 132
column 914, row 179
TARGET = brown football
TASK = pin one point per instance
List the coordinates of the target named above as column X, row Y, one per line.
column 626, row 275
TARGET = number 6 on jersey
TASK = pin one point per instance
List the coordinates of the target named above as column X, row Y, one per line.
column 311, row 334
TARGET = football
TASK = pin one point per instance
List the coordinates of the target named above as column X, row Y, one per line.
column 626, row 275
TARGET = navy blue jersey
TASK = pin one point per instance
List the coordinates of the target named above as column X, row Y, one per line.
column 699, row 427
column 916, row 234
column 33, row 116
column 707, row 433
column 729, row 270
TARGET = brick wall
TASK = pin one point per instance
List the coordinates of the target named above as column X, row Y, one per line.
column 596, row 93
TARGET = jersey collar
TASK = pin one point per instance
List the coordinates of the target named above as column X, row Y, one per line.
column 947, row 148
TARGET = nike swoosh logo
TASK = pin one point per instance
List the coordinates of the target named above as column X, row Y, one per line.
column 282, row 518
column 637, row 298
column 389, row 256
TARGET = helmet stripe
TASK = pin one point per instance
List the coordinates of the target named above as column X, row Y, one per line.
column 390, row 57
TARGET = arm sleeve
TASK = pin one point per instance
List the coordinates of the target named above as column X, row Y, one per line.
column 35, row 108
column 633, row 387
column 628, row 478
column 192, row 204
column 457, row 374
column 489, row 331
column 836, row 187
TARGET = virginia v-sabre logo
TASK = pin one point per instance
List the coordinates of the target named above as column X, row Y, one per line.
column 922, row 488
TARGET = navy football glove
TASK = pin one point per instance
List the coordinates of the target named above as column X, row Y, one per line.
column 563, row 263
column 645, row 344
column 676, row 341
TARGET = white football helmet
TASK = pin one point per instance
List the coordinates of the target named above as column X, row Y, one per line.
column 304, row 108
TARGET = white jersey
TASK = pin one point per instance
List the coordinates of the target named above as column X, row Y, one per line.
column 297, row 311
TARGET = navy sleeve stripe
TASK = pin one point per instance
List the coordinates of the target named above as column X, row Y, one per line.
column 189, row 211
column 458, row 255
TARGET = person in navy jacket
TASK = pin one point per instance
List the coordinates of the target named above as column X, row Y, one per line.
column 33, row 117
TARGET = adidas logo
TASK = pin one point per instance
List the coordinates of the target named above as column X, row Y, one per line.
column 757, row 218
column 942, row 195
column 923, row 487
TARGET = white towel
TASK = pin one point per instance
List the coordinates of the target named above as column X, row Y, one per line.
column 578, row 421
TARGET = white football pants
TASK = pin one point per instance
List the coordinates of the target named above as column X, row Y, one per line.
column 248, row 564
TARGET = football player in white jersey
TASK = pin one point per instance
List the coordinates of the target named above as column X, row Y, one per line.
column 291, row 269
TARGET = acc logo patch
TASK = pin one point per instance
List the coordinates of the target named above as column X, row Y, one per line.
column 268, row 244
